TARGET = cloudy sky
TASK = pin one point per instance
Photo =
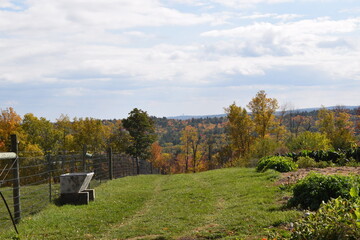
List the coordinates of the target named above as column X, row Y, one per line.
column 102, row 58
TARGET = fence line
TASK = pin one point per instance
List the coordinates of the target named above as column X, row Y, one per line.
column 34, row 179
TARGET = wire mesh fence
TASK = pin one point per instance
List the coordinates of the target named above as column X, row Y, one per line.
column 39, row 178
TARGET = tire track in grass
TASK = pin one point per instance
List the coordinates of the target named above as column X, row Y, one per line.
column 225, row 203
column 139, row 214
column 210, row 223
column 179, row 204
column 207, row 206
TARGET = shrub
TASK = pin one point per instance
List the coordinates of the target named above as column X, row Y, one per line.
column 323, row 164
column 340, row 157
column 305, row 162
column 278, row 163
column 334, row 220
column 265, row 147
column 309, row 141
column 353, row 153
column 352, row 163
column 311, row 191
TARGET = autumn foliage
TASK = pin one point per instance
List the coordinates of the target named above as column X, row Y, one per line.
column 9, row 124
column 183, row 146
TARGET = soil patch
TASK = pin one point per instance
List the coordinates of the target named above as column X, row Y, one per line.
column 293, row 177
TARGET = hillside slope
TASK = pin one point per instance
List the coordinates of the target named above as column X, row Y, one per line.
column 226, row 203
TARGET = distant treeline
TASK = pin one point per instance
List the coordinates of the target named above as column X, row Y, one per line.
column 237, row 139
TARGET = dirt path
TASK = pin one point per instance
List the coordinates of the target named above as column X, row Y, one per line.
column 292, row 177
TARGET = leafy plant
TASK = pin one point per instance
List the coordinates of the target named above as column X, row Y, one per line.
column 305, row 162
column 278, row 163
column 340, row 157
column 355, row 195
column 334, row 220
column 309, row 141
column 324, row 164
column 311, row 191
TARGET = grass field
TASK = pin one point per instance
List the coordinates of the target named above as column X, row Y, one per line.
column 221, row 204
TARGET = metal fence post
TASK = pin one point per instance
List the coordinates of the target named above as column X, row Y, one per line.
column 84, row 157
column 110, row 158
column 48, row 158
column 134, row 169
column 72, row 164
column 16, row 181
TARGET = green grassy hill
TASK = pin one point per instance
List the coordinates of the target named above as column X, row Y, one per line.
column 228, row 203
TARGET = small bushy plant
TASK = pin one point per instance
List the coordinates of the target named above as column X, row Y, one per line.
column 339, row 157
column 309, row 141
column 323, row 164
column 278, row 163
column 336, row 219
column 306, row 162
column 311, row 191
column 352, row 163
column 265, row 147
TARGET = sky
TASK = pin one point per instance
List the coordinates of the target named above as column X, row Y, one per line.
column 102, row 58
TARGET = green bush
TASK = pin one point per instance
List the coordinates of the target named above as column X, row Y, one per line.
column 334, row 220
column 265, row 147
column 305, row 162
column 309, row 141
column 323, row 164
column 340, row 157
column 311, row 191
column 278, row 163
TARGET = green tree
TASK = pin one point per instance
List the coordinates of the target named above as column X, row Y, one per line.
column 65, row 127
column 265, row 146
column 311, row 141
column 186, row 135
column 280, row 130
column 337, row 127
column 90, row 132
column 263, row 109
column 119, row 138
column 190, row 139
column 239, row 130
column 41, row 132
column 301, row 124
column 142, row 131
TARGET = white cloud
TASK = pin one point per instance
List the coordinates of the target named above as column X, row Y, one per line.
column 247, row 51
column 283, row 17
column 138, row 34
column 70, row 92
column 311, row 26
column 95, row 22
column 116, row 48
column 292, row 38
column 74, row 15
column 355, row 10
column 247, row 3
column 299, row 43
column 8, row 4
column 52, row 37
column 229, row 3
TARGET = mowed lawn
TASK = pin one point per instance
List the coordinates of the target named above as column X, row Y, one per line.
column 233, row 203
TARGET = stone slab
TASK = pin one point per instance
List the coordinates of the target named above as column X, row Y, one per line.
column 74, row 182
column 74, row 198
column 91, row 194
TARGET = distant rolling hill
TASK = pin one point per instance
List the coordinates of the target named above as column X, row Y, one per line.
column 187, row 117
